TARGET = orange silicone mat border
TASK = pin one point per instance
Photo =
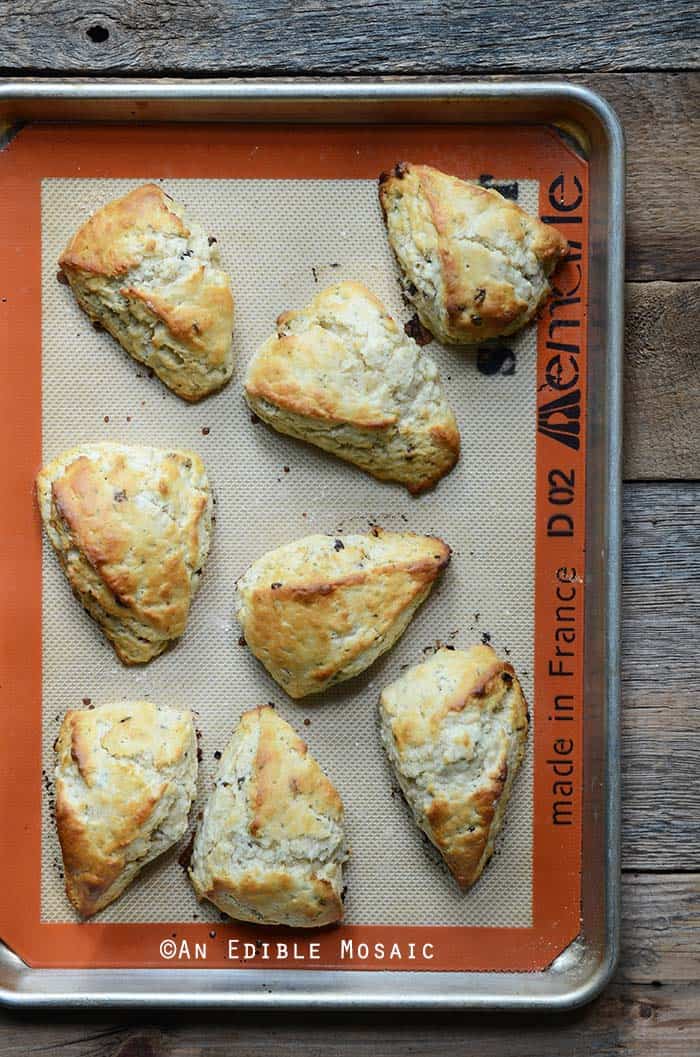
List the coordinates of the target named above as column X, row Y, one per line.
column 301, row 151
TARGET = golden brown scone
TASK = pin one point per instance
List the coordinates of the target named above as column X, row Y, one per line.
column 322, row 609
column 343, row 375
column 150, row 276
column 455, row 729
column 270, row 847
column 474, row 264
column 131, row 528
column 126, row 776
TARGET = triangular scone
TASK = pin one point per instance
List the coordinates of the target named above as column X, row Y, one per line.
column 270, row 847
column 322, row 609
column 343, row 375
column 126, row 776
column 149, row 275
column 131, row 528
column 455, row 729
column 474, row 264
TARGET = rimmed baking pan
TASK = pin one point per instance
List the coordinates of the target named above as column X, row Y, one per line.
column 285, row 175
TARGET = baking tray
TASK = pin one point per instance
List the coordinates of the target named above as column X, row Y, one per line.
column 574, row 952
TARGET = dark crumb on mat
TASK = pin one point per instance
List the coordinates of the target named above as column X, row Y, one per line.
column 498, row 359
column 185, row 856
column 415, row 329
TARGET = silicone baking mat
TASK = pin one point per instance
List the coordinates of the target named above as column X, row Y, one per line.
column 286, row 228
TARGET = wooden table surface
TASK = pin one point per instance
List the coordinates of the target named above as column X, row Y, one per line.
column 643, row 57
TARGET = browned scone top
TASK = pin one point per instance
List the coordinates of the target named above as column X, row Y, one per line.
column 455, row 729
column 323, row 608
column 150, row 276
column 474, row 264
column 271, row 846
column 125, row 779
column 342, row 374
column 131, row 528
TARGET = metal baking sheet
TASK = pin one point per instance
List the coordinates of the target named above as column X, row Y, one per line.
column 564, row 976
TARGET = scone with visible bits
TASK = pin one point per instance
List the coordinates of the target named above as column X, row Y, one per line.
column 126, row 776
column 343, row 375
column 147, row 273
column 322, row 609
column 455, row 729
column 473, row 263
column 270, row 847
column 131, row 528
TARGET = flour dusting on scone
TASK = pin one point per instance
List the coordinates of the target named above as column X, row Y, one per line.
column 145, row 271
column 455, row 729
column 126, row 776
column 131, row 527
column 342, row 374
column 474, row 264
column 270, row 847
column 322, row 609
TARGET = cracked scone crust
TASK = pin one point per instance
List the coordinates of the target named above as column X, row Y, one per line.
column 270, row 847
column 343, row 375
column 473, row 263
column 131, row 528
column 126, row 776
column 455, row 730
column 322, row 609
column 150, row 276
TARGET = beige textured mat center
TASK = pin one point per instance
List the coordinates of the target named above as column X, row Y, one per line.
column 282, row 241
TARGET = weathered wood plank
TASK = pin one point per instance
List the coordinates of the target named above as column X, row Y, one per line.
column 660, row 928
column 662, row 381
column 369, row 36
column 650, row 1009
column 660, row 115
column 661, row 702
column 661, row 590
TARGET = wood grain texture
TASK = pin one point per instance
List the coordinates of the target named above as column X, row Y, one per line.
column 368, row 36
column 660, row 928
column 661, row 701
column 660, row 116
column 648, row 1010
column 662, row 381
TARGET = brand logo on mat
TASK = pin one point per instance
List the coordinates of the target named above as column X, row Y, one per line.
column 559, row 416
column 560, row 419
